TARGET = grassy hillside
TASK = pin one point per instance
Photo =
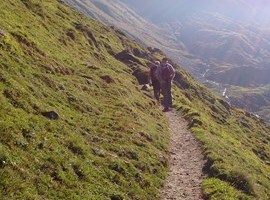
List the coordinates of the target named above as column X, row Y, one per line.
column 106, row 144
column 255, row 100
column 235, row 142
column 106, row 139
column 137, row 26
column 218, row 37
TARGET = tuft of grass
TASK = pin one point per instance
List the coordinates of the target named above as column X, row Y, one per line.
column 216, row 189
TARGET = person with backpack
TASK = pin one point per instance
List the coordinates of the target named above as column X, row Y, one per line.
column 153, row 79
column 166, row 74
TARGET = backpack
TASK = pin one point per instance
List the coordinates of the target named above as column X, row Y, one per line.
column 165, row 72
column 154, row 72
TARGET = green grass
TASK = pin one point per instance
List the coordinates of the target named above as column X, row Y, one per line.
column 220, row 190
column 110, row 141
column 53, row 59
column 256, row 99
column 235, row 142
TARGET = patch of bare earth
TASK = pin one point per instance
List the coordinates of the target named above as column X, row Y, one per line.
column 186, row 163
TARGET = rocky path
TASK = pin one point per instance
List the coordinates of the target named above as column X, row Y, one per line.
column 186, row 163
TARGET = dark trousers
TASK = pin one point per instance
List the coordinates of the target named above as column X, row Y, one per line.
column 156, row 87
column 167, row 94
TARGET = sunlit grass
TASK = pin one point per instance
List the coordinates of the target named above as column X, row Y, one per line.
column 53, row 59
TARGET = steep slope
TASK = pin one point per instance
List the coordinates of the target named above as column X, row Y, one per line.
column 257, row 100
column 222, row 41
column 103, row 141
column 236, row 143
column 104, row 138
column 231, row 37
column 120, row 15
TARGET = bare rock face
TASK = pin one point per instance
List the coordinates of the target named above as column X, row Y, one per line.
column 127, row 57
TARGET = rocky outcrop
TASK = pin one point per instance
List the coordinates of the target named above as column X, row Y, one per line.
column 127, row 57
column 154, row 50
column 141, row 54
column 181, row 81
column 51, row 115
column 142, row 76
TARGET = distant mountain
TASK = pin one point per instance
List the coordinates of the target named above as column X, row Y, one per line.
column 227, row 44
column 116, row 13
column 229, row 33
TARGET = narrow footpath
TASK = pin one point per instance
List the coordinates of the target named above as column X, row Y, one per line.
column 185, row 164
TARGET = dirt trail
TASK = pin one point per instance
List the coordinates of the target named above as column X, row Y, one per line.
column 186, row 163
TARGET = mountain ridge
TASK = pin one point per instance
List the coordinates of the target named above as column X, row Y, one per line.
column 132, row 24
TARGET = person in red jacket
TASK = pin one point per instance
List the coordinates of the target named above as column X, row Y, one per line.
column 165, row 74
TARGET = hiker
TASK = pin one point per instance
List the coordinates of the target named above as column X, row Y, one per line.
column 153, row 79
column 166, row 74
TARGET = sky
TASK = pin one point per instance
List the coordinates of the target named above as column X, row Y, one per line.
column 247, row 10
